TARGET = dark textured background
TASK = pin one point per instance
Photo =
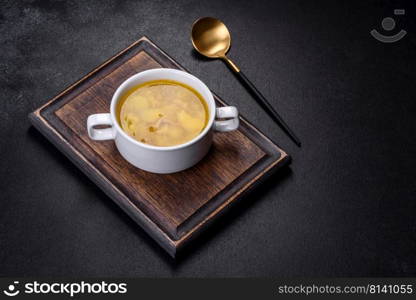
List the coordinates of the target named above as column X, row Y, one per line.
column 345, row 207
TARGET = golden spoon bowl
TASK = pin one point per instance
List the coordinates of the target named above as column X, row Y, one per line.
column 211, row 38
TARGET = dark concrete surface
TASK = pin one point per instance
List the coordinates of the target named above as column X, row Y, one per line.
column 345, row 207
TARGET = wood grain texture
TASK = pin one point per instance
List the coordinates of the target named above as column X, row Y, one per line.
column 172, row 208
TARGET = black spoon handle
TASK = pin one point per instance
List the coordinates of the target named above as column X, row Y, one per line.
column 266, row 106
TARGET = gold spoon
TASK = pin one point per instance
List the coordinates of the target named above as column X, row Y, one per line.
column 211, row 38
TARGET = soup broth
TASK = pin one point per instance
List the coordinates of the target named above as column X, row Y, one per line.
column 163, row 113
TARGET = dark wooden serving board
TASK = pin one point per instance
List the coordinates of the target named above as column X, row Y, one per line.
column 172, row 208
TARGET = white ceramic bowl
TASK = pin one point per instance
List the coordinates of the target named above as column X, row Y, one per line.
column 163, row 159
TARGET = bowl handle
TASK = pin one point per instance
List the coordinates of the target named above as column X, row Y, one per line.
column 226, row 112
column 100, row 134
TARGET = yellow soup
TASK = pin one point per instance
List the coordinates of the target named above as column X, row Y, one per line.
column 163, row 113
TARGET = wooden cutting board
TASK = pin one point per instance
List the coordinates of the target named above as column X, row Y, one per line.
column 171, row 208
